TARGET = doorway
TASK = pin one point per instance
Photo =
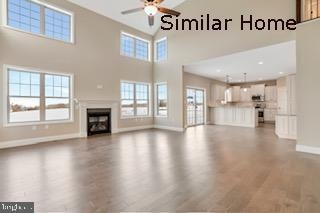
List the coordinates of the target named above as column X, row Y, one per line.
column 195, row 106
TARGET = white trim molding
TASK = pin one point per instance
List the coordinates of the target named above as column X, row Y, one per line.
column 31, row 141
column 308, row 149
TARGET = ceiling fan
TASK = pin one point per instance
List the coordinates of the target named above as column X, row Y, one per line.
column 151, row 7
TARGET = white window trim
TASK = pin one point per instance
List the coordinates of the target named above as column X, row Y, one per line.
column 136, row 38
column 71, row 14
column 6, row 123
column 156, row 50
column 149, row 101
column 156, row 100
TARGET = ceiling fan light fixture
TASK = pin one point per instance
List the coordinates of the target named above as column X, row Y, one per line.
column 151, row 10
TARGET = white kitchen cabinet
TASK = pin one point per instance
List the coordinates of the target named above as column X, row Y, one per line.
column 287, row 101
column 270, row 115
column 245, row 96
column 271, row 94
column 234, row 116
column 232, row 94
column 258, row 89
column 218, row 94
column 286, row 126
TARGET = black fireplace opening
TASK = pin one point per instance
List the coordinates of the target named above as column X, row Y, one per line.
column 99, row 121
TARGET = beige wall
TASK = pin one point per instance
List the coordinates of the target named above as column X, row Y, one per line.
column 93, row 59
column 308, row 87
column 187, row 47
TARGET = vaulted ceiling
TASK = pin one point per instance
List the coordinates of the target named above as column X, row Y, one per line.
column 113, row 9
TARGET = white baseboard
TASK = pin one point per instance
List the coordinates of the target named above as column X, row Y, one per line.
column 286, row 136
column 308, row 149
column 176, row 129
column 130, row 129
column 30, row 141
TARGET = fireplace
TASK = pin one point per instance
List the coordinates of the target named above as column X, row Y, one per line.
column 98, row 121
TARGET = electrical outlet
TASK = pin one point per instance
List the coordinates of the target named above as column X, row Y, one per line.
column 99, row 86
column 34, row 128
column 46, row 126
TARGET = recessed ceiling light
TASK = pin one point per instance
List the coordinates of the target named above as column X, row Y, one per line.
column 281, row 73
column 260, row 79
column 260, row 62
column 218, row 70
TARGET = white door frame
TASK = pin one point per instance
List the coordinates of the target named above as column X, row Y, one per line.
column 204, row 105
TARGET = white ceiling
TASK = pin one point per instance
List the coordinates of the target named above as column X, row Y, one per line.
column 278, row 60
column 113, row 9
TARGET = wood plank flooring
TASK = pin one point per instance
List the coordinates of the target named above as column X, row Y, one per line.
column 209, row 168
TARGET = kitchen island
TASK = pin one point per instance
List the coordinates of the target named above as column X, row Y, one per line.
column 234, row 116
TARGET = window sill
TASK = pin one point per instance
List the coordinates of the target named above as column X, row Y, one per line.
column 161, row 116
column 37, row 123
column 35, row 34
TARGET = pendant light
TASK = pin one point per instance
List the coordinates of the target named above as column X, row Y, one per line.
column 245, row 81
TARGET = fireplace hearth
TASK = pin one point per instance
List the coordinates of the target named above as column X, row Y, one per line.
column 99, row 121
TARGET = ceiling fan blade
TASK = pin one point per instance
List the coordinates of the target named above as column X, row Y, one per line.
column 132, row 11
column 151, row 20
column 158, row 1
column 168, row 11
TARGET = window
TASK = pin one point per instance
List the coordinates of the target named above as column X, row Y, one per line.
column 161, row 49
column 135, row 47
column 39, row 18
column 135, row 99
column 161, row 100
column 26, row 101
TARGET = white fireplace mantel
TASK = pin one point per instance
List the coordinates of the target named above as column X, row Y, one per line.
column 97, row 104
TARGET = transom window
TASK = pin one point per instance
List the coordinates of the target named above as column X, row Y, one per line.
column 162, row 100
column 34, row 96
column 135, row 47
column 39, row 18
column 135, row 99
column 161, row 49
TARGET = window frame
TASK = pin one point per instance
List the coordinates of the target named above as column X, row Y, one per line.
column 134, row 46
column 156, row 49
column 135, row 100
column 156, row 100
column 42, row 97
column 43, row 5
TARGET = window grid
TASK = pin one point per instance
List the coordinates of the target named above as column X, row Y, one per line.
column 134, row 99
column 57, row 25
column 162, row 99
column 39, row 19
column 134, row 47
column 161, row 50
column 26, row 103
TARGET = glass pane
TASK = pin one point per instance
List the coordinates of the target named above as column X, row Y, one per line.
column 57, row 25
column 65, row 82
column 142, row 108
column 65, row 92
column 57, row 91
column 162, row 108
column 24, row 110
column 161, row 50
column 14, row 89
column 127, row 91
column 142, row 50
column 142, row 91
column 14, row 77
column 49, row 80
column 25, row 90
column 57, row 81
column 57, row 109
column 49, row 91
column 24, row 15
column 25, row 78
column 127, row 45
column 35, row 79
column 35, row 90
column 127, row 108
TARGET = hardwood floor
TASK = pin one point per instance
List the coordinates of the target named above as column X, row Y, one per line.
column 210, row 168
